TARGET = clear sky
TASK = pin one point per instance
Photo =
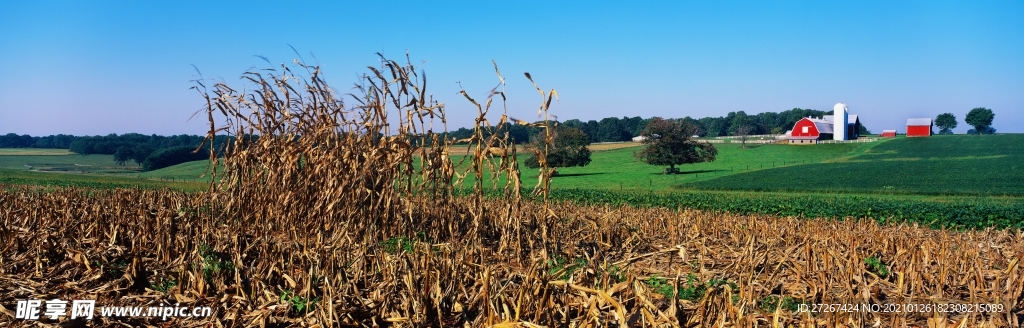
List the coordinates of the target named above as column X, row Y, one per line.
column 98, row 67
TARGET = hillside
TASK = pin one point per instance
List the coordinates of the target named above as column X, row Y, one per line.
column 939, row 165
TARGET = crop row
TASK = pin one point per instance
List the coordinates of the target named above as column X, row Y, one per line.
column 957, row 214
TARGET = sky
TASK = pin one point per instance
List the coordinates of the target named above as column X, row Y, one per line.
column 100, row 67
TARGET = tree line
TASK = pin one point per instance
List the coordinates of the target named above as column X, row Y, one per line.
column 148, row 151
column 12, row 140
column 614, row 129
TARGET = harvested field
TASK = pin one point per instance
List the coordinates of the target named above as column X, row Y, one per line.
column 586, row 266
column 613, row 145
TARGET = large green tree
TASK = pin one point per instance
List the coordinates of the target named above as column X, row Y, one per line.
column 122, row 155
column 946, row 123
column 568, row 148
column 668, row 143
column 980, row 118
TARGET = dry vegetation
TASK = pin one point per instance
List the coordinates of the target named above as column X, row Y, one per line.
column 324, row 221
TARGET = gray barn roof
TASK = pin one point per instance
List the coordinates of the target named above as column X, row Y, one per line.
column 851, row 118
column 919, row 121
column 822, row 125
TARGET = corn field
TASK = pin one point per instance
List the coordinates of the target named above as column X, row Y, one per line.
column 321, row 218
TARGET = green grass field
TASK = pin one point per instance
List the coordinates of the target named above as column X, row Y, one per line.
column 939, row 165
column 51, row 160
column 33, row 152
column 618, row 169
column 59, row 167
column 53, row 179
column 189, row 171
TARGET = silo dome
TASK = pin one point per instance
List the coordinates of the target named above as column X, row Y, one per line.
column 840, row 107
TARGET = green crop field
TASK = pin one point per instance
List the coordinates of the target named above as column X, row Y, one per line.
column 58, row 160
column 59, row 167
column 53, row 179
column 189, row 171
column 948, row 212
column 939, row 165
column 33, row 152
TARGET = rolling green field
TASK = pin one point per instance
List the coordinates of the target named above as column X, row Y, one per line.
column 52, row 179
column 33, row 152
column 58, row 160
column 60, row 168
column 940, row 165
column 619, row 169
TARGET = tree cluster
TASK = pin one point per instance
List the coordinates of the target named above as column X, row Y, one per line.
column 12, row 140
column 980, row 118
column 172, row 156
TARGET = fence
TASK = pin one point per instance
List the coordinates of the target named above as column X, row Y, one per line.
column 848, row 141
column 752, row 136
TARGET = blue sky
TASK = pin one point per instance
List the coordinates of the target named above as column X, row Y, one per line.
column 88, row 68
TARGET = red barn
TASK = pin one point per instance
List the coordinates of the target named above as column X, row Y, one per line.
column 809, row 130
column 919, row 127
column 888, row 134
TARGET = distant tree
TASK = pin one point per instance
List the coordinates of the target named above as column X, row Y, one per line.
column 611, row 130
column 140, row 152
column 81, row 146
column 668, row 143
column 778, row 130
column 946, row 123
column 698, row 129
column 980, row 118
column 122, row 155
column 743, row 131
column 568, row 148
column 739, row 120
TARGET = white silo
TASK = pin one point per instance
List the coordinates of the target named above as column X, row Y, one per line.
column 840, row 116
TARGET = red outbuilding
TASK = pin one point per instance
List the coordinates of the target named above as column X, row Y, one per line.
column 888, row 134
column 919, row 127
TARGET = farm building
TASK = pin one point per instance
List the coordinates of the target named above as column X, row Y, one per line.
column 839, row 126
column 919, row 127
column 888, row 134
